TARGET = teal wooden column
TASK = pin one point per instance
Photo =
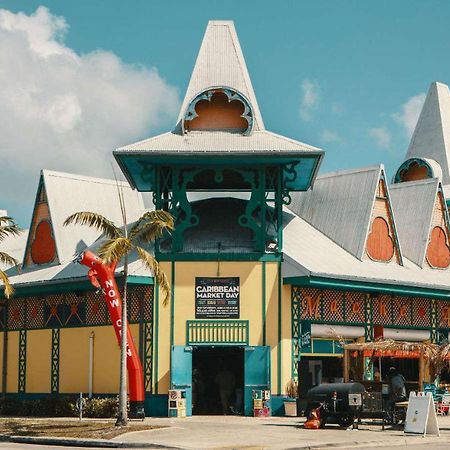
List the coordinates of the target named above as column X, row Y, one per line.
column 368, row 333
column 22, row 372
column 54, row 372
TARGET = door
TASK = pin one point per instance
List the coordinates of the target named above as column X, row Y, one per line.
column 181, row 372
column 256, row 374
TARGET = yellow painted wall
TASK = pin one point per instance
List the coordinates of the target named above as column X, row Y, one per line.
column 251, row 304
column 74, row 359
column 1, row 352
column 272, row 320
column 286, row 336
column 39, row 353
column 13, row 361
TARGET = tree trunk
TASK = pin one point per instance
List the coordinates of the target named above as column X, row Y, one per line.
column 122, row 419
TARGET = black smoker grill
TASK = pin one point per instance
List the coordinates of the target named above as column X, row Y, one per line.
column 332, row 399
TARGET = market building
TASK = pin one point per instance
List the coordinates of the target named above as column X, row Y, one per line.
column 272, row 266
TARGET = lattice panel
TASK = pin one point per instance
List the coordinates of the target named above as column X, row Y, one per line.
column 134, row 305
column 148, row 303
column 382, row 310
column 354, row 307
column 74, row 309
column 443, row 314
column 96, row 309
column 35, row 312
column 402, row 312
column 2, row 316
column 332, row 306
column 16, row 313
column 421, row 312
column 310, row 304
column 54, row 311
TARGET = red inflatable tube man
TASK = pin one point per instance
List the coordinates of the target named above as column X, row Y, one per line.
column 102, row 276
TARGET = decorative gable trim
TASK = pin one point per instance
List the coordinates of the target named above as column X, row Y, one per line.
column 41, row 244
column 438, row 249
column 382, row 243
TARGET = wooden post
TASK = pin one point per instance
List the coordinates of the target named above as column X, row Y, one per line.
column 421, row 371
column 346, row 363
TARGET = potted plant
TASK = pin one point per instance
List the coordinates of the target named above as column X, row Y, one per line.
column 290, row 402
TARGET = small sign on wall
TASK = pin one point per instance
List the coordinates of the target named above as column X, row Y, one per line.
column 217, row 298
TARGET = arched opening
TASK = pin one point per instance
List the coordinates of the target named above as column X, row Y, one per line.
column 218, row 109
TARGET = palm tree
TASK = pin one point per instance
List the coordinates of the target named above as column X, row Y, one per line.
column 119, row 244
column 7, row 228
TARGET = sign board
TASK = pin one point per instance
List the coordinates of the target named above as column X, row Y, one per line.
column 354, row 399
column 305, row 333
column 421, row 415
column 217, row 298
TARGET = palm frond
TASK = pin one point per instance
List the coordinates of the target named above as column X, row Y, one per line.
column 94, row 220
column 6, row 219
column 8, row 259
column 151, row 225
column 153, row 265
column 9, row 290
column 113, row 250
column 9, row 228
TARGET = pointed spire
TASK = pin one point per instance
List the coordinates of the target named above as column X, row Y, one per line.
column 220, row 63
column 431, row 138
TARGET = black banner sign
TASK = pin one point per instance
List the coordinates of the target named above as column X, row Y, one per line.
column 217, row 298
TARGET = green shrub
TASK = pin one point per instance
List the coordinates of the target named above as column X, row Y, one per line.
column 59, row 406
column 101, row 407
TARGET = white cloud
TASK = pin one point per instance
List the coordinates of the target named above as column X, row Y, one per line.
column 309, row 98
column 409, row 113
column 381, row 136
column 64, row 111
column 331, row 136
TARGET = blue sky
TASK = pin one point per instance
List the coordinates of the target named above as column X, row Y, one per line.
column 347, row 76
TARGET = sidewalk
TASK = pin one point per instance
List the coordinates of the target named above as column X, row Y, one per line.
column 232, row 432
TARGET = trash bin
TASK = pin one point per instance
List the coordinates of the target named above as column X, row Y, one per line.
column 177, row 403
column 261, row 403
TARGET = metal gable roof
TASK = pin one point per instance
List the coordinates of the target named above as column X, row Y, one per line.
column 431, row 137
column 413, row 204
column 308, row 252
column 198, row 142
column 68, row 193
column 220, row 63
column 340, row 205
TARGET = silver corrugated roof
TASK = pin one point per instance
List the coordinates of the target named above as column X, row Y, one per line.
column 220, row 63
column 68, row 193
column 218, row 142
column 14, row 246
column 431, row 137
column 413, row 203
column 308, row 252
column 340, row 205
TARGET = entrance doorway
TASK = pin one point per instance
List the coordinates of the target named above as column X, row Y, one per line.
column 314, row 370
column 217, row 380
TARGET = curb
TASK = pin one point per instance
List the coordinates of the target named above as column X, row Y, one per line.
column 401, row 441
column 88, row 443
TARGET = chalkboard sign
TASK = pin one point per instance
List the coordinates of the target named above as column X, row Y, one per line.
column 217, row 298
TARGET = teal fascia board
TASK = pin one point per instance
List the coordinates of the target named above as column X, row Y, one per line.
column 48, row 287
column 135, row 279
column 51, row 288
column 139, row 168
column 333, row 283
